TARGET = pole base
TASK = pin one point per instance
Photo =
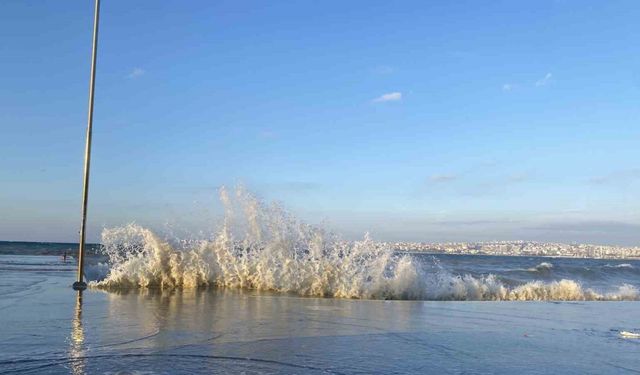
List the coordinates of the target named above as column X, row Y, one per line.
column 79, row 285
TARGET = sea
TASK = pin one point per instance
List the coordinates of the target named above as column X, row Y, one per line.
column 267, row 294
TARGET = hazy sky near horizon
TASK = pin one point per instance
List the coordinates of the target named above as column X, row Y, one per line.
column 414, row 120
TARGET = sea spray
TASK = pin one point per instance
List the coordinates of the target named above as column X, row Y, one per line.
column 274, row 252
column 263, row 247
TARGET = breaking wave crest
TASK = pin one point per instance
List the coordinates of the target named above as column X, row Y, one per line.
column 622, row 265
column 276, row 252
column 542, row 267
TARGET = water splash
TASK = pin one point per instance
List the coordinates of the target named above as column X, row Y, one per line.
column 263, row 247
column 274, row 252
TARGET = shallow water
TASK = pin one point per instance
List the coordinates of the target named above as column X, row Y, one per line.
column 47, row 328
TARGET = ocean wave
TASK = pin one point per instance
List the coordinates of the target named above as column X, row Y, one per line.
column 542, row 267
column 276, row 252
column 622, row 265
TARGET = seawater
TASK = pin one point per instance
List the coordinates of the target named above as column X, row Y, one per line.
column 252, row 298
column 47, row 328
column 263, row 247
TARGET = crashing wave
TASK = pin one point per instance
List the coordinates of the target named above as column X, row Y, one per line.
column 542, row 267
column 276, row 252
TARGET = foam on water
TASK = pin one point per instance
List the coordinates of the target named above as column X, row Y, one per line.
column 274, row 251
column 542, row 267
column 622, row 265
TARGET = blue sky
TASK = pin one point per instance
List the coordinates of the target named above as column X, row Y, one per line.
column 414, row 120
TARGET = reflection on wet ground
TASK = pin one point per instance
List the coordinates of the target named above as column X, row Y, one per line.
column 48, row 328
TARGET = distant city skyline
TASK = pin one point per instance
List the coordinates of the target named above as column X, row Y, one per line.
column 419, row 121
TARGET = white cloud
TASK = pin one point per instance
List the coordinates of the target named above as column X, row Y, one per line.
column 544, row 81
column 508, row 87
column 390, row 97
column 135, row 73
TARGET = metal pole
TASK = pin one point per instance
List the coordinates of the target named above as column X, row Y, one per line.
column 80, row 284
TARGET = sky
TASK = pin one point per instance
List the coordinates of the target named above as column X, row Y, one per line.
column 416, row 120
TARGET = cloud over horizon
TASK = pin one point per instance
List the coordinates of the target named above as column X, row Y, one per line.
column 390, row 97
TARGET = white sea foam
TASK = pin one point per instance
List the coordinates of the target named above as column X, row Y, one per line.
column 622, row 265
column 542, row 267
column 276, row 252
column 629, row 335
